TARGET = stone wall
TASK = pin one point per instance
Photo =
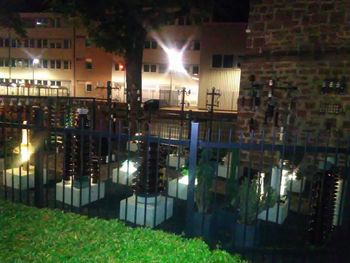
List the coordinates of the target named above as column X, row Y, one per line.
column 303, row 43
column 299, row 43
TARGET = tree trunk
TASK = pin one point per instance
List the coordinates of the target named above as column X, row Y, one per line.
column 134, row 55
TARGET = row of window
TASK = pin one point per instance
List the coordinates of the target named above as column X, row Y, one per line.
column 162, row 68
column 224, row 61
column 42, row 22
column 179, row 44
column 187, row 20
column 41, row 63
column 30, row 81
column 35, row 43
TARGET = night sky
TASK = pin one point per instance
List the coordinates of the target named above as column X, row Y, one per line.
column 231, row 11
column 224, row 10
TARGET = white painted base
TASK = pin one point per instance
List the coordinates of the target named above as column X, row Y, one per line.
column 112, row 157
column 68, row 191
column 223, row 171
column 132, row 146
column 21, row 178
column 282, row 213
column 296, row 186
column 181, row 191
column 154, row 214
column 127, row 172
column 172, row 160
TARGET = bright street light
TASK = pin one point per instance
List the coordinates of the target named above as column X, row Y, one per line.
column 175, row 65
column 175, row 60
column 35, row 62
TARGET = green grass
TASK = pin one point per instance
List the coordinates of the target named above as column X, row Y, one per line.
column 41, row 235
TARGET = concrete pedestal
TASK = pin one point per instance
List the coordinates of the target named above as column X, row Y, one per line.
column 21, row 179
column 66, row 191
column 178, row 188
column 172, row 160
column 155, row 213
column 223, row 171
column 298, row 186
column 127, row 172
column 132, row 146
column 282, row 213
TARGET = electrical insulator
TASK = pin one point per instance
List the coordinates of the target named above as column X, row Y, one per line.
column 323, row 206
column 150, row 179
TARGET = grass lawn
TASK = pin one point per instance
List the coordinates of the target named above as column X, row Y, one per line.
column 41, row 235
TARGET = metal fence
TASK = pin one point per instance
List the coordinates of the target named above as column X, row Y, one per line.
column 271, row 200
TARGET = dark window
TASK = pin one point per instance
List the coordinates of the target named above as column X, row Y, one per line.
column 153, row 68
column 26, row 43
column 44, row 63
column 58, row 63
column 195, row 69
column 39, row 82
column 1, row 62
column 53, row 83
column 25, row 63
column 13, row 63
column 88, row 64
column 88, row 87
column 154, row 44
column 181, row 21
column 39, row 43
column 52, row 45
column 13, row 43
column 196, row 45
column 217, row 61
column 147, row 44
column 228, row 61
column 45, row 82
column 66, row 43
column 65, row 64
column 146, row 68
column 44, row 43
column 58, row 45
column 6, row 62
column 58, row 83
column 1, row 42
column 187, row 21
column 88, row 42
column 32, row 43
column 19, row 43
column 162, row 68
column 52, row 63
column 7, row 42
column 56, row 22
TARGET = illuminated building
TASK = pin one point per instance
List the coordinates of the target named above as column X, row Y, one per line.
column 58, row 54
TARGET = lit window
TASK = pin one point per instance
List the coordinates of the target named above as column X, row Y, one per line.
column 88, row 63
column 119, row 67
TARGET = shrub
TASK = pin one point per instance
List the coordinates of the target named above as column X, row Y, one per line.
column 42, row 235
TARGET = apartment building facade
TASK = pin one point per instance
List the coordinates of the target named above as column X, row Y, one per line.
column 56, row 54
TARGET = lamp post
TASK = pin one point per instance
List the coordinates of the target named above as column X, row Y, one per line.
column 175, row 65
column 35, row 62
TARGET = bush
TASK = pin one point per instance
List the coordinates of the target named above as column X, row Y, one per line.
column 41, row 235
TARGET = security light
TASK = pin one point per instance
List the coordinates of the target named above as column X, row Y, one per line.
column 175, row 60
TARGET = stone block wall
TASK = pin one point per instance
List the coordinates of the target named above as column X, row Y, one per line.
column 299, row 43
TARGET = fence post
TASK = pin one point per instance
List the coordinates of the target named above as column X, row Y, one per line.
column 191, row 177
column 38, row 139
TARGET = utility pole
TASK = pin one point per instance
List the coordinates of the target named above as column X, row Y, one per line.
column 213, row 97
column 183, row 92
